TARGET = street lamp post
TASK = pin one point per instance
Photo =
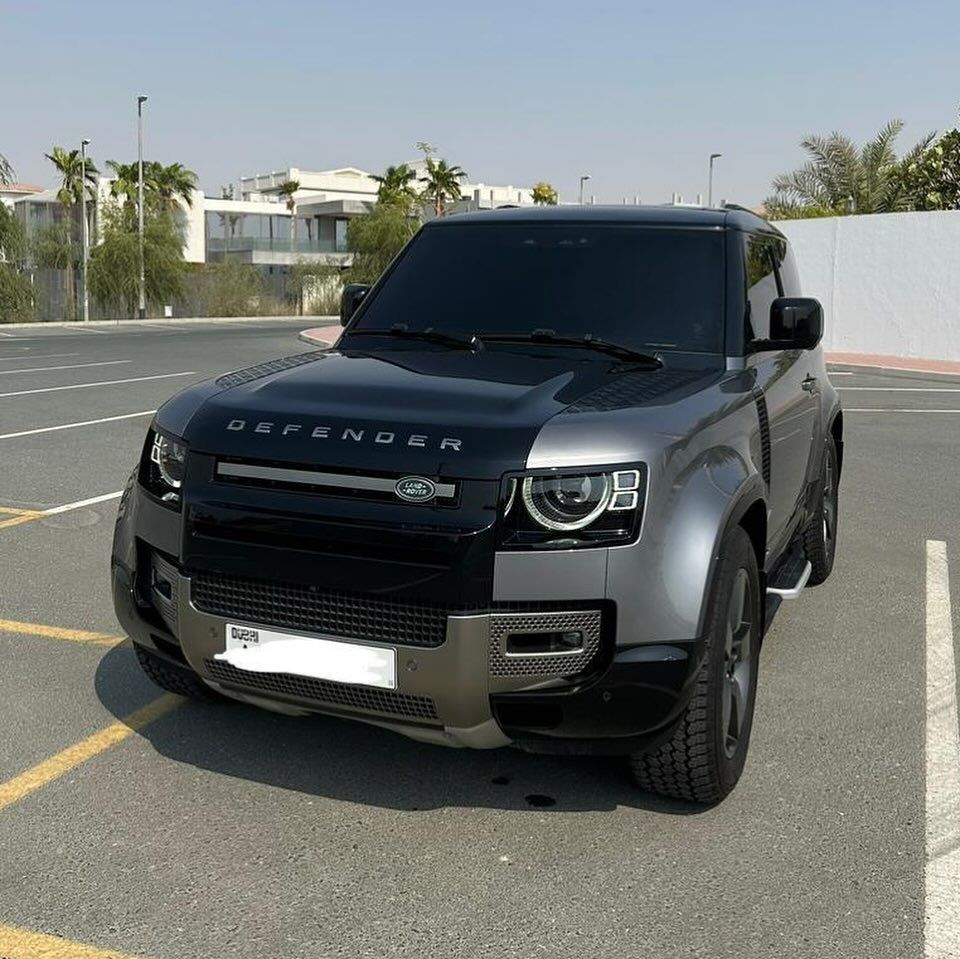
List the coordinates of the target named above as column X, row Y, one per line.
column 141, row 99
column 583, row 180
column 713, row 156
column 86, row 230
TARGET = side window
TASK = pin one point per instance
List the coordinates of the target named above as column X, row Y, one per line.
column 763, row 255
column 789, row 274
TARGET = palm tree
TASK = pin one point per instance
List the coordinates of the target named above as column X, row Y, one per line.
column 543, row 194
column 396, row 185
column 441, row 183
column 841, row 178
column 75, row 174
column 6, row 171
column 288, row 190
column 126, row 178
column 76, row 177
column 170, row 185
column 165, row 188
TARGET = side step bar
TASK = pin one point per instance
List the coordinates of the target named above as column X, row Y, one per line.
column 790, row 579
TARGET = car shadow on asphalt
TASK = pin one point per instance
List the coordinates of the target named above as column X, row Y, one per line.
column 354, row 762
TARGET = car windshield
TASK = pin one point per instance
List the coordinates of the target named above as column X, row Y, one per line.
column 644, row 287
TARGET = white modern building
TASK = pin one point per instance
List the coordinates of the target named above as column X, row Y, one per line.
column 253, row 225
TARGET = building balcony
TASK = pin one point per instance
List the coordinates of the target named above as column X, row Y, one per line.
column 251, row 244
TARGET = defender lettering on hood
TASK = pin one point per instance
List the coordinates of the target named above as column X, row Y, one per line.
column 384, row 437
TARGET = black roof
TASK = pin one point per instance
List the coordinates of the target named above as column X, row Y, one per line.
column 737, row 218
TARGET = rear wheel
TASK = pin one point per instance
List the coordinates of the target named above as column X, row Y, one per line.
column 820, row 535
column 703, row 760
column 175, row 679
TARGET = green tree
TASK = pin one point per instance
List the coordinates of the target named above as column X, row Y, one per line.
column 115, row 261
column 442, row 183
column 544, row 194
column 288, row 190
column 6, row 170
column 165, row 188
column 232, row 289
column 12, row 241
column 376, row 238
column 397, row 186
column 17, row 300
column 841, row 178
column 172, row 185
column 932, row 180
column 76, row 177
column 316, row 286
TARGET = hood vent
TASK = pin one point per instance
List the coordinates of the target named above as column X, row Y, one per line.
column 239, row 377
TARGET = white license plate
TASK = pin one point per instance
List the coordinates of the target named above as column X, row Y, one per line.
column 260, row 650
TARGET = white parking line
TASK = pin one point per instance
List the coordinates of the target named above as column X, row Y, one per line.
column 69, row 366
column 942, row 873
column 83, row 502
column 73, row 426
column 86, row 386
column 42, row 356
column 901, row 409
column 900, row 389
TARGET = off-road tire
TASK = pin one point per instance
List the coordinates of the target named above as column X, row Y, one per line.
column 694, row 764
column 820, row 534
column 175, row 679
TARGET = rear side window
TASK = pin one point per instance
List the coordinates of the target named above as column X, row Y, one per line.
column 789, row 274
column 764, row 256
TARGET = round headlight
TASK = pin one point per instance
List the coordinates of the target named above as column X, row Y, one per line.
column 170, row 458
column 566, row 502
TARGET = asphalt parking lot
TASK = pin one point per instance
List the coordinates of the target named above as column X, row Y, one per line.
column 194, row 830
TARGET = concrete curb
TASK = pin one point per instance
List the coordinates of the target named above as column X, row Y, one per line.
column 907, row 364
column 172, row 321
column 322, row 336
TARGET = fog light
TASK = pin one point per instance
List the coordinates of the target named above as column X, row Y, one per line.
column 544, row 644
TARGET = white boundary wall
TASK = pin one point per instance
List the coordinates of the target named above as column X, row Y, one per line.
column 889, row 283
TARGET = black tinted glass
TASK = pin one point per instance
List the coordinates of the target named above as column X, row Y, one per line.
column 763, row 256
column 643, row 287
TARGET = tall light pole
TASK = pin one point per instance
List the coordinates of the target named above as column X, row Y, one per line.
column 141, row 99
column 86, row 231
column 583, row 180
column 713, row 156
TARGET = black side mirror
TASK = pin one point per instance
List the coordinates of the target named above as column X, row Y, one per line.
column 797, row 321
column 350, row 299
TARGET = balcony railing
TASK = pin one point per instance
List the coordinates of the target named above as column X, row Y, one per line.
column 245, row 244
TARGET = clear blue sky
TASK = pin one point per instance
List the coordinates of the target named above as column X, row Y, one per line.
column 637, row 94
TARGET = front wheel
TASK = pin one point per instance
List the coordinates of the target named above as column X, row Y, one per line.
column 820, row 535
column 703, row 760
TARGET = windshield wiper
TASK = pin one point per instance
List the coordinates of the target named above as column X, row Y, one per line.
column 588, row 342
column 430, row 335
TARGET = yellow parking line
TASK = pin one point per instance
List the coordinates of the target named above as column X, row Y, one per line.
column 16, row 943
column 62, row 762
column 18, row 516
column 59, row 632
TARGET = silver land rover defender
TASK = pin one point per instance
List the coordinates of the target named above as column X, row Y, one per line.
column 549, row 488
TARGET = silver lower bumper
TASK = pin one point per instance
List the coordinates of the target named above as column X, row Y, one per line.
column 443, row 692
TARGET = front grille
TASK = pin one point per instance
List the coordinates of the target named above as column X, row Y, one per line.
column 318, row 610
column 503, row 663
column 324, row 692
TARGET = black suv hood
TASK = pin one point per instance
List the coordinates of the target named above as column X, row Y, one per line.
column 424, row 411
